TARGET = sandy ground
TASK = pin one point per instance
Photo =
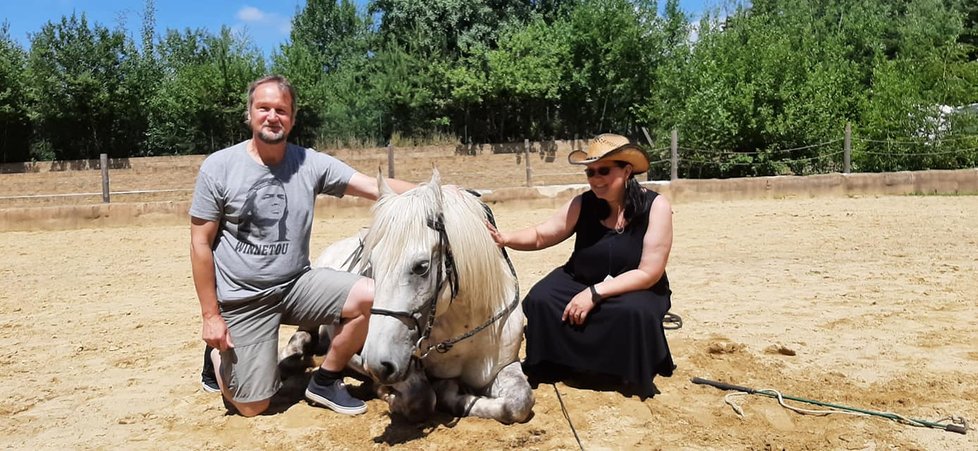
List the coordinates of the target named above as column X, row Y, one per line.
column 867, row 302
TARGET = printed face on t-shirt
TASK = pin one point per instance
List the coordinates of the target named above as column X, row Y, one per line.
column 264, row 213
column 270, row 203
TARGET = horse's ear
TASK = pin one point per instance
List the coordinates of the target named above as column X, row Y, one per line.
column 435, row 183
column 435, row 176
column 382, row 187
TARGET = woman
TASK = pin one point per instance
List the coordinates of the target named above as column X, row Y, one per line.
column 602, row 312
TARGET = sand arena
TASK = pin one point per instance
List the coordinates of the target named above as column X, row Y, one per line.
column 863, row 300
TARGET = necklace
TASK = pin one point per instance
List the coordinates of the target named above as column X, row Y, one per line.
column 620, row 222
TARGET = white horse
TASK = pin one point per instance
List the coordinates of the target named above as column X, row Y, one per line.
column 446, row 328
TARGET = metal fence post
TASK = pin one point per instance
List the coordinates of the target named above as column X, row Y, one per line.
column 526, row 157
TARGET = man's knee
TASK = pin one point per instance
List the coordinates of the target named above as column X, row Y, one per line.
column 250, row 409
column 360, row 298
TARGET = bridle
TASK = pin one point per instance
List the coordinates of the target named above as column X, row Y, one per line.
column 446, row 273
column 443, row 263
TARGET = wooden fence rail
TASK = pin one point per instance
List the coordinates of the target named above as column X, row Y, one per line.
column 477, row 166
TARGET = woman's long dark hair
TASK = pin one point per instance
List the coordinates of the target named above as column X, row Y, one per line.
column 635, row 200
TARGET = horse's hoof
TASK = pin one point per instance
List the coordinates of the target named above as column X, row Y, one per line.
column 293, row 364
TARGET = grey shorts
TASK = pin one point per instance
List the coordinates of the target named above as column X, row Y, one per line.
column 250, row 369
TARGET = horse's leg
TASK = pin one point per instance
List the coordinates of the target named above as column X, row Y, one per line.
column 356, row 364
column 508, row 400
column 296, row 356
column 413, row 397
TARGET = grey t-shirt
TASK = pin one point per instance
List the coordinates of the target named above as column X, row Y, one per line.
column 265, row 215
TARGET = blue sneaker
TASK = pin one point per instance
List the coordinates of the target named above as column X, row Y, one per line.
column 335, row 397
column 208, row 377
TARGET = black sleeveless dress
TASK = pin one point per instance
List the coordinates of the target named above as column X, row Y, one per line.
column 623, row 336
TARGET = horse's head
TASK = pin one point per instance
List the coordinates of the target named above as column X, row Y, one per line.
column 413, row 270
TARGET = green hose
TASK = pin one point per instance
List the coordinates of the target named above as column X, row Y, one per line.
column 961, row 428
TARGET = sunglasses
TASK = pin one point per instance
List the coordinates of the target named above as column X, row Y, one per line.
column 602, row 171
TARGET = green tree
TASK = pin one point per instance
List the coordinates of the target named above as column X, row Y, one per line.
column 771, row 82
column 201, row 102
column 613, row 56
column 142, row 74
column 412, row 86
column 527, row 75
column 926, row 71
column 669, row 87
column 458, row 27
column 76, row 76
column 15, row 128
column 968, row 10
column 439, row 50
column 328, row 62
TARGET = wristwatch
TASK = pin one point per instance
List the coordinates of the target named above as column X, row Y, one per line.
column 595, row 297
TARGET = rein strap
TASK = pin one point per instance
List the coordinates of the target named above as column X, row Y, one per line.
column 446, row 345
column 450, row 273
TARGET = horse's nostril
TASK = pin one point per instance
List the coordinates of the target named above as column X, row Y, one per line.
column 387, row 369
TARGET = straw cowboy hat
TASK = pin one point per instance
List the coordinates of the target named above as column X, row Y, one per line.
column 612, row 147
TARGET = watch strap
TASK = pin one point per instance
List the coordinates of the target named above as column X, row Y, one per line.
column 595, row 297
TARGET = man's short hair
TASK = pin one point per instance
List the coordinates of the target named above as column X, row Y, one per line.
column 283, row 84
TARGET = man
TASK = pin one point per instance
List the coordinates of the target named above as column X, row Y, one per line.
column 249, row 282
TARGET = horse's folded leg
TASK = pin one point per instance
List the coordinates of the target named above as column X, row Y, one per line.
column 413, row 398
column 509, row 398
column 296, row 356
column 512, row 387
column 356, row 364
column 449, row 398
column 324, row 338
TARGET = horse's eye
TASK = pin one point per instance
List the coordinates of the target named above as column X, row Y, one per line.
column 420, row 268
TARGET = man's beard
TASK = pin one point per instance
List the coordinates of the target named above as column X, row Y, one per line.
column 271, row 137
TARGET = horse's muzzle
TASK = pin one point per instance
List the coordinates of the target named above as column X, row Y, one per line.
column 386, row 372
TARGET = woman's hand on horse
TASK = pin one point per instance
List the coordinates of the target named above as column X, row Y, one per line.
column 578, row 308
column 496, row 235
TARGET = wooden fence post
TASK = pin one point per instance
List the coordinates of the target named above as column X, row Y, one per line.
column 847, row 150
column 526, row 157
column 104, row 162
column 390, row 160
column 648, row 139
column 674, row 172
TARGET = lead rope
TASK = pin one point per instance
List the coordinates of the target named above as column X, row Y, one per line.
column 570, row 423
column 560, row 400
column 446, row 345
column 450, row 272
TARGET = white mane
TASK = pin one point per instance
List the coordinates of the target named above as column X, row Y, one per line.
column 401, row 222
